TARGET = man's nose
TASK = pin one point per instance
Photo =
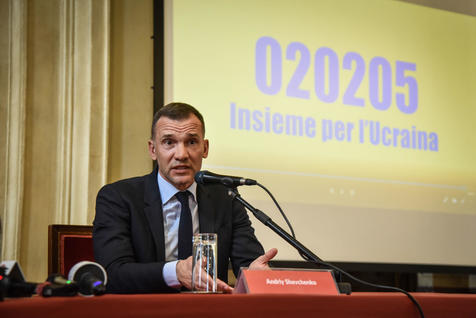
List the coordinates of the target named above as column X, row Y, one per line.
column 181, row 152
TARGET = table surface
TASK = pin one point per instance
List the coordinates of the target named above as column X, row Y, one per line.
column 357, row 305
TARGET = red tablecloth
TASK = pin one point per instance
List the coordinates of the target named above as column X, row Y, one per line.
column 244, row 306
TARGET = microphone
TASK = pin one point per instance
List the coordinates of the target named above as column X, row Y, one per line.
column 48, row 289
column 13, row 289
column 12, row 281
column 90, row 277
column 59, row 279
column 204, row 176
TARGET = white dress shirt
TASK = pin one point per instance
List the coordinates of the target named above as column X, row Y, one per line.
column 171, row 208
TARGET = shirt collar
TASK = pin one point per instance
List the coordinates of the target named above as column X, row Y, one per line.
column 167, row 190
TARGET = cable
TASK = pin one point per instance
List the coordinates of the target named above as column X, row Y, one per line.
column 305, row 257
column 279, row 208
column 374, row 285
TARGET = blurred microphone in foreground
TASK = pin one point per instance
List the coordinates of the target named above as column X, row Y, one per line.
column 90, row 277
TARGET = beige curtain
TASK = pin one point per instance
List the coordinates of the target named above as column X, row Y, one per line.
column 54, row 97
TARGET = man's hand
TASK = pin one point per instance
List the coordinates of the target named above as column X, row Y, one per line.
column 262, row 262
column 184, row 276
column 184, row 272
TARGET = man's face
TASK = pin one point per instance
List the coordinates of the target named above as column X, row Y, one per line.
column 179, row 147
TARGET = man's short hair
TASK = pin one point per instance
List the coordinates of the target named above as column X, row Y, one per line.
column 176, row 111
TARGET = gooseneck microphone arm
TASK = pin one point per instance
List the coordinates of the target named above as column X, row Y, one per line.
column 266, row 220
column 307, row 254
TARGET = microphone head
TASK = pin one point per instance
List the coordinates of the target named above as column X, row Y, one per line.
column 90, row 285
column 204, row 176
column 91, row 278
column 199, row 176
column 48, row 289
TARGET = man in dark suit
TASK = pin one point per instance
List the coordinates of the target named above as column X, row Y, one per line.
column 139, row 224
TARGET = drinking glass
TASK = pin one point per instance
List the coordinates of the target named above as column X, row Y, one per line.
column 204, row 264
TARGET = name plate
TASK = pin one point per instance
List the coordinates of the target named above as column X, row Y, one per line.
column 286, row 281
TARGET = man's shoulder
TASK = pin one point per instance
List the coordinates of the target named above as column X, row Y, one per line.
column 214, row 191
column 130, row 185
column 213, row 187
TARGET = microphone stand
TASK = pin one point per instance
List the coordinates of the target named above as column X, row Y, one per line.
column 310, row 256
column 266, row 220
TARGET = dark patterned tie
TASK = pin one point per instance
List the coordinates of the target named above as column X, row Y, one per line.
column 185, row 231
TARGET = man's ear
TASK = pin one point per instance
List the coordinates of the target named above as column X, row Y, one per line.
column 205, row 150
column 152, row 150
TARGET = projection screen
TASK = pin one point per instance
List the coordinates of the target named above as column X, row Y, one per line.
column 359, row 116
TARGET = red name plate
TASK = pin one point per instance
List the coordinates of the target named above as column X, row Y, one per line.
column 286, row 282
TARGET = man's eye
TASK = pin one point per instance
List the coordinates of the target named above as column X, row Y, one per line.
column 167, row 142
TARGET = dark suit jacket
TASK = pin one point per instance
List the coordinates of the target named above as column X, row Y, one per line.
column 128, row 233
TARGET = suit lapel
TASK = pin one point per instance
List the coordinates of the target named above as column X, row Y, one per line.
column 206, row 210
column 153, row 212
